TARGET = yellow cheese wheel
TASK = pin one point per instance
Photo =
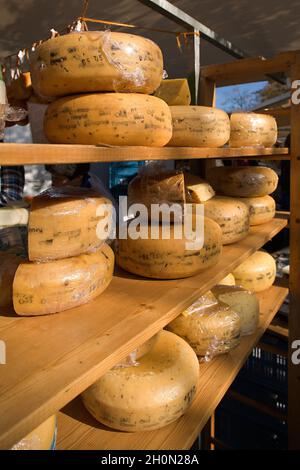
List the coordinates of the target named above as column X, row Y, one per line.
column 228, row 280
column 109, row 119
column 9, row 263
column 169, row 258
column 252, row 129
column 199, row 126
column 41, row 438
column 243, row 302
column 150, row 395
column 211, row 328
column 96, row 61
column 257, row 273
column 261, row 209
column 232, row 216
column 54, row 286
column 63, row 223
column 243, row 181
column 175, row 92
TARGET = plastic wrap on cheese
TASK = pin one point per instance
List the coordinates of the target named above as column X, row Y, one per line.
column 91, row 61
column 209, row 326
column 66, row 222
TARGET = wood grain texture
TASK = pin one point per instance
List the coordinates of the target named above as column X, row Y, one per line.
column 53, row 358
column 77, row 429
column 34, row 154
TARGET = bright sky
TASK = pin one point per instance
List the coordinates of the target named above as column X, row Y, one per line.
column 224, row 94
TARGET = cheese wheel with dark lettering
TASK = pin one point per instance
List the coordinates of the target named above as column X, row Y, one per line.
column 261, row 209
column 109, row 119
column 256, row 273
column 252, row 129
column 90, row 61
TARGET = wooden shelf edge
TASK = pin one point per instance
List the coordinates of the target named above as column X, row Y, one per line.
column 78, row 430
column 34, row 154
column 77, row 346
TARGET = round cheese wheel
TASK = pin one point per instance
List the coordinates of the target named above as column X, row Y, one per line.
column 261, row 209
column 228, row 280
column 243, row 181
column 169, row 258
column 63, row 223
column 257, row 273
column 54, row 286
column 232, row 216
column 139, row 352
column 252, row 129
column 149, row 395
column 199, row 126
column 41, row 438
column 109, row 119
column 243, row 302
column 96, row 61
column 9, row 263
column 211, row 328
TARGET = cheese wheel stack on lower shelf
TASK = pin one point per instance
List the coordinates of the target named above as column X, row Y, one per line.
column 82, row 69
column 69, row 262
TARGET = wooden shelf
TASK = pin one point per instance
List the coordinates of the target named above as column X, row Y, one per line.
column 77, row 429
column 53, row 358
column 34, row 154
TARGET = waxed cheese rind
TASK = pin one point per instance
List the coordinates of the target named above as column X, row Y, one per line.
column 116, row 119
column 261, row 209
column 252, row 129
column 96, row 61
column 149, row 395
column 257, row 273
column 55, row 286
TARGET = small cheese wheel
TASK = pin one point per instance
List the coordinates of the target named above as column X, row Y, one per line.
column 109, row 119
column 55, row 286
column 169, row 258
column 228, row 280
column 252, row 129
column 243, row 302
column 63, row 223
column 261, row 209
column 96, row 61
column 41, row 438
column 257, row 273
column 211, row 328
column 199, row 126
column 139, row 352
column 175, row 92
column 149, row 395
column 9, row 263
column 243, row 181
column 13, row 215
column 232, row 216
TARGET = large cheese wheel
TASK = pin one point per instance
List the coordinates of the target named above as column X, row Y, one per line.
column 257, row 273
column 41, row 438
column 243, row 181
column 228, row 280
column 261, row 209
column 211, row 328
column 175, row 92
column 243, row 302
column 199, row 126
column 9, row 263
column 63, row 223
column 252, row 129
column 42, row 288
column 109, row 119
column 13, row 215
column 169, row 258
column 96, row 61
column 232, row 216
column 149, row 395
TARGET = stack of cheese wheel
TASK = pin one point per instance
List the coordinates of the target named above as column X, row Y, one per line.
column 252, row 129
column 252, row 185
column 257, row 273
column 69, row 261
column 209, row 326
column 81, row 69
column 41, row 438
column 151, row 394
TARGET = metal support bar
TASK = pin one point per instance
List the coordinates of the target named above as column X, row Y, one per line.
column 179, row 16
column 197, row 64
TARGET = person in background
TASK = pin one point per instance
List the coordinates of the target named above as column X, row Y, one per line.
column 12, row 184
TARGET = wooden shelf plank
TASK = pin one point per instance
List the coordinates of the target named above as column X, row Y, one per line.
column 34, row 154
column 53, row 358
column 77, row 429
